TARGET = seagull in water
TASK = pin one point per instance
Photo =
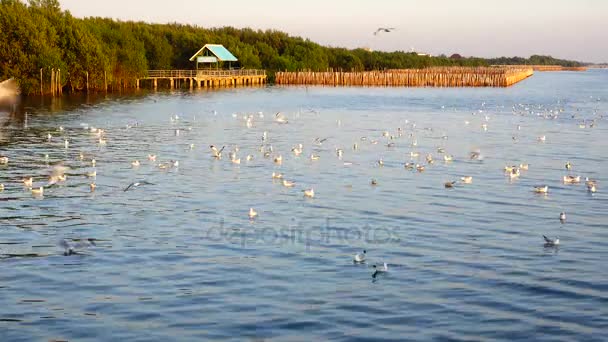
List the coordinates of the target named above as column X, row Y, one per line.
column 70, row 248
column 280, row 118
column 136, row 184
column 360, row 257
column 379, row 270
column 551, row 242
column 383, row 29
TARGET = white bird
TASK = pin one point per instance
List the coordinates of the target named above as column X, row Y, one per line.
column 136, row 184
column 252, row 213
column 379, row 270
column 310, row 193
column 551, row 242
column 360, row 257
column 57, row 174
column 38, row 192
column 70, row 248
column 217, row 154
column 280, row 118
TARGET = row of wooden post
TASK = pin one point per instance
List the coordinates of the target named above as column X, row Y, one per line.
column 56, row 87
column 429, row 77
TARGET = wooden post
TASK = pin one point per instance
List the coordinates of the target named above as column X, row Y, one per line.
column 41, row 91
column 87, row 81
column 105, row 81
column 53, row 82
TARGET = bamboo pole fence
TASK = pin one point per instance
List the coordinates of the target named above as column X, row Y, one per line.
column 428, row 77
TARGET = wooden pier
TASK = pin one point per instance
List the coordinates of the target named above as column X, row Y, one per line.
column 175, row 79
column 429, row 77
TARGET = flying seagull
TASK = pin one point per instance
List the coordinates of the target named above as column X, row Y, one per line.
column 136, row 184
column 384, row 29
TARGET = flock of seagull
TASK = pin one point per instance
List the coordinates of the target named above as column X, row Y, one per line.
column 57, row 173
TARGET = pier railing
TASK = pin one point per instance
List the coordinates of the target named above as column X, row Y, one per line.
column 203, row 73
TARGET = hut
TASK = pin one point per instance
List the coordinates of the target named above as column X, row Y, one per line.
column 213, row 54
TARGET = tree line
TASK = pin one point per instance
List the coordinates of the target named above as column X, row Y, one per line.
column 37, row 37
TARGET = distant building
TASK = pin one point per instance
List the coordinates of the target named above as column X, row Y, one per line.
column 213, row 54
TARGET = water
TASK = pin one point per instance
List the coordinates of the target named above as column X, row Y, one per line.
column 180, row 259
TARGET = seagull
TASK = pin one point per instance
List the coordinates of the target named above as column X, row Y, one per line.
column 310, row 193
column 280, row 118
column 562, row 217
column 57, row 174
column 70, row 248
column 379, row 270
column 38, row 192
column 252, row 213
column 217, row 154
column 136, row 184
column 360, row 257
column 288, row 184
column 467, row 179
column 550, row 242
column 319, row 141
column 475, row 155
column 571, row 179
column 28, row 181
column 383, row 29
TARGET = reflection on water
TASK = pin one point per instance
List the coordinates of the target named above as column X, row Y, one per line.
column 179, row 258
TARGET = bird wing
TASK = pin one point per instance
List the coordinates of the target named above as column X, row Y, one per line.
column 130, row 186
column 547, row 240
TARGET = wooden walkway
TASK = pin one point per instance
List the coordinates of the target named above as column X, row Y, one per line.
column 203, row 78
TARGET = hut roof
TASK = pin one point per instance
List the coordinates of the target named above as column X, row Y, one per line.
column 218, row 51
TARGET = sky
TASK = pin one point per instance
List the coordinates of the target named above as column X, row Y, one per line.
column 562, row 28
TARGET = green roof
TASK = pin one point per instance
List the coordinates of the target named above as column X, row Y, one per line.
column 218, row 51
